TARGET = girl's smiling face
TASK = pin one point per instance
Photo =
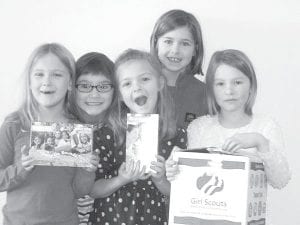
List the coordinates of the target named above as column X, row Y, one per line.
column 231, row 89
column 176, row 49
column 139, row 85
column 49, row 81
column 94, row 102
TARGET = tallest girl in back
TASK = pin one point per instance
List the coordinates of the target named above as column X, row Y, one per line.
column 176, row 41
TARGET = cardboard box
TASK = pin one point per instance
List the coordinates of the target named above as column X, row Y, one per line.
column 142, row 138
column 61, row 144
column 218, row 189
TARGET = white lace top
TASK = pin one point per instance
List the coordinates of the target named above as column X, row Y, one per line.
column 206, row 131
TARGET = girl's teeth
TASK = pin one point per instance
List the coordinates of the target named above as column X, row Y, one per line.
column 174, row 59
column 93, row 103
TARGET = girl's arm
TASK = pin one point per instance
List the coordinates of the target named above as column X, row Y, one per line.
column 159, row 175
column 83, row 182
column 270, row 148
column 126, row 174
column 12, row 172
column 276, row 164
column 105, row 187
column 163, row 185
column 85, row 177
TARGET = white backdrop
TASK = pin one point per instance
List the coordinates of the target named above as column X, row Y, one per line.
column 268, row 31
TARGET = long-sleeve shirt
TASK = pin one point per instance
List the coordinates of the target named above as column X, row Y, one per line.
column 206, row 131
column 189, row 96
column 44, row 195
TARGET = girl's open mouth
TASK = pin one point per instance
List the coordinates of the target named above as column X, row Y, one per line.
column 141, row 100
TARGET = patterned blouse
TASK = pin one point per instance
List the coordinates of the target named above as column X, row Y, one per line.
column 139, row 202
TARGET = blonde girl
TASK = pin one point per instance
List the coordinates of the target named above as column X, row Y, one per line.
column 231, row 125
column 41, row 194
column 125, row 195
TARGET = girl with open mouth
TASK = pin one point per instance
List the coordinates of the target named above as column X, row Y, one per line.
column 125, row 193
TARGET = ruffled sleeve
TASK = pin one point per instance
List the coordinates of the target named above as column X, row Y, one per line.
column 276, row 164
column 195, row 132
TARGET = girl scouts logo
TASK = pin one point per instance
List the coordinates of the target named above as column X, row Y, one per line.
column 210, row 184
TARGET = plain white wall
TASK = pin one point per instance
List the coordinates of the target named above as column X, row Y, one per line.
column 267, row 31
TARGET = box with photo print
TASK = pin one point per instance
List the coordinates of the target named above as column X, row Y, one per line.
column 61, row 144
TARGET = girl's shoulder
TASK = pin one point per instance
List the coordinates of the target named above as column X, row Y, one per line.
column 104, row 133
column 196, row 80
column 12, row 125
column 202, row 122
column 200, row 77
column 105, row 129
column 12, row 119
column 263, row 120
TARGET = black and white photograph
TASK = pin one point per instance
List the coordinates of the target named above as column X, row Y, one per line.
column 220, row 75
column 61, row 144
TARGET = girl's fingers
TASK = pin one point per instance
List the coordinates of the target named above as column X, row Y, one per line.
column 122, row 167
column 136, row 169
column 143, row 171
column 157, row 164
column 145, row 176
column 129, row 165
column 27, row 162
column 160, row 158
column 170, row 162
column 236, row 148
column 228, row 145
column 24, row 150
column 171, row 177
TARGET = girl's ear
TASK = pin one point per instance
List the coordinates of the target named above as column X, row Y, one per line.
column 162, row 82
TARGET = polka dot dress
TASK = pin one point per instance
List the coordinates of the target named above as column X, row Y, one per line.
column 137, row 203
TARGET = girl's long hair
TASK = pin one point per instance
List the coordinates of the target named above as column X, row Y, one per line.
column 165, row 105
column 29, row 110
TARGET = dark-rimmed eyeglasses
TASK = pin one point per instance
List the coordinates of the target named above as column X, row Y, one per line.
column 86, row 88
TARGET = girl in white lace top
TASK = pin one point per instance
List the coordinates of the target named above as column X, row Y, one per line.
column 231, row 125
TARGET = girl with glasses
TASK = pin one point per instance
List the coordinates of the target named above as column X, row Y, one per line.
column 90, row 102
